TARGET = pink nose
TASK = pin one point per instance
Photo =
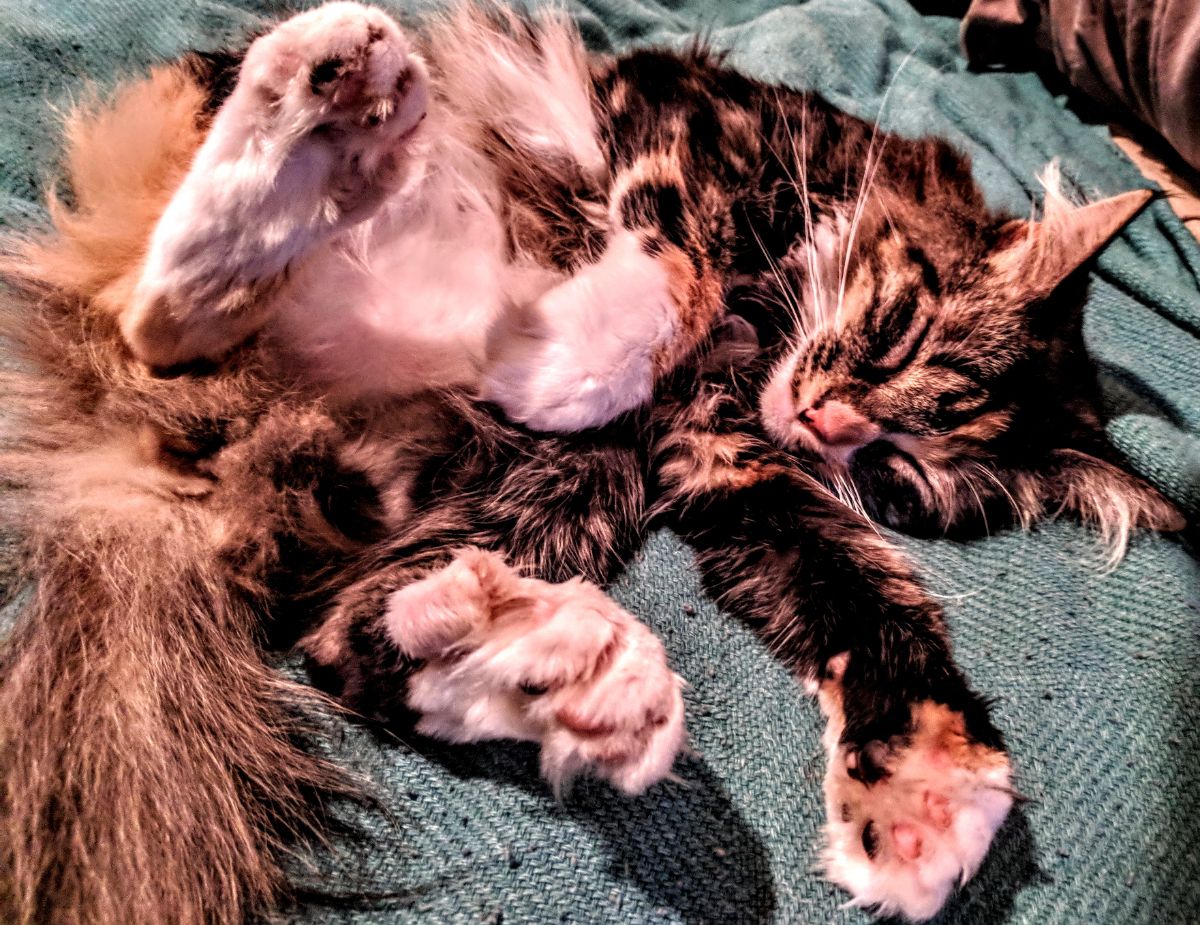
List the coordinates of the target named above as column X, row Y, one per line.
column 836, row 422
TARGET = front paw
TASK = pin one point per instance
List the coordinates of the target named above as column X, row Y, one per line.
column 895, row 490
column 556, row 385
column 591, row 348
column 911, row 818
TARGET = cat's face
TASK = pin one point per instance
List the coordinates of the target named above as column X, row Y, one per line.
column 905, row 378
column 925, row 370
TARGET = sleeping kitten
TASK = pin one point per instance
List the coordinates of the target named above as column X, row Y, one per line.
column 949, row 389
column 870, row 267
column 562, row 235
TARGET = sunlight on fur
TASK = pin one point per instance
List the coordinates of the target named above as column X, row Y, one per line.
column 123, row 159
column 243, row 418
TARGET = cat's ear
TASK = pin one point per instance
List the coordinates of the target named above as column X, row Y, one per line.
column 1039, row 255
column 1106, row 496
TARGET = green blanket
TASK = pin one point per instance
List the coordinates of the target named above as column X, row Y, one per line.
column 1096, row 677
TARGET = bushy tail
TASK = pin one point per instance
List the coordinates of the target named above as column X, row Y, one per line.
column 150, row 769
column 149, row 757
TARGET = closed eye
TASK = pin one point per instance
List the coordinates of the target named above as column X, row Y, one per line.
column 957, row 407
column 900, row 355
column 969, row 399
column 962, row 363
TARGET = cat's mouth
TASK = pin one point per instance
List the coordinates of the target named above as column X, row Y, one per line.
column 408, row 133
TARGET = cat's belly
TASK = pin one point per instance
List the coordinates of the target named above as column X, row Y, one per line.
column 404, row 305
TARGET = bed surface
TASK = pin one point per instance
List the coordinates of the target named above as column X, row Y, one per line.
column 1096, row 676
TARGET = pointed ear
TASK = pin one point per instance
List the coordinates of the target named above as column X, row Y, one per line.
column 1111, row 499
column 1039, row 255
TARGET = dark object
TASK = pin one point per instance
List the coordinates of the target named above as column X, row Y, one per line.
column 1136, row 58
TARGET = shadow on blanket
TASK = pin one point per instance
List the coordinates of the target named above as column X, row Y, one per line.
column 683, row 845
column 1010, row 866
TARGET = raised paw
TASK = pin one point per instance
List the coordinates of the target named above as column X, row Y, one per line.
column 912, row 818
column 344, row 70
column 561, row 665
column 590, row 348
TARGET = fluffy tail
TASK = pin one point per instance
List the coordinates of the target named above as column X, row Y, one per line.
column 149, row 757
column 150, row 769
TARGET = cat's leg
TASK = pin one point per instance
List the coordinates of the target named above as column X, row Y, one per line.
column 902, row 837
column 918, row 779
column 476, row 652
column 315, row 135
column 594, row 346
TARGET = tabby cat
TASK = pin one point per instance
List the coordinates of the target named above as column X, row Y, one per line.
column 253, row 348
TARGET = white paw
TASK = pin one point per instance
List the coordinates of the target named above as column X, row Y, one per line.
column 346, row 70
column 904, row 843
column 549, row 385
column 561, row 665
column 587, row 350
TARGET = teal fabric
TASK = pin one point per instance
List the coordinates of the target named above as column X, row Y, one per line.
column 1096, row 677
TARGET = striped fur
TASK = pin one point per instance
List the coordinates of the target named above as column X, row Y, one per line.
column 152, row 763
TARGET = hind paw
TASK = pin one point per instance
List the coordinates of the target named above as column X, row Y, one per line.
column 903, row 835
column 562, row 665
column 344, row 71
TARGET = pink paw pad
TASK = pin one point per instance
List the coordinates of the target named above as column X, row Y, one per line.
column 906, row 838
column 902, row 840
column 937, row 810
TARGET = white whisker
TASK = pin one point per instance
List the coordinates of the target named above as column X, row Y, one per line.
column 841, row 488
column 801, row 160
column 793, row 303
column 979, row 503
column 873, row 159
column 800, row 186
column 1016, row 508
